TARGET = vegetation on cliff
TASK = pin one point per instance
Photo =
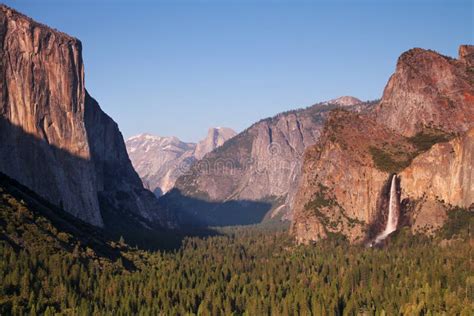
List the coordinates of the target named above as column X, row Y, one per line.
column 393, row 160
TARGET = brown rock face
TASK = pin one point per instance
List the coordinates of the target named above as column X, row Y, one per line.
column 118, row 186
column 429, row 90
column 466, row 54
column 54, row 137
column 342, row 188
column 445, row 172
column 345, row 178
column 440, row 177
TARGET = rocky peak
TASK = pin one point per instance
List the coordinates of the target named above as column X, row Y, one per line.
column 22, row 21
column 429, row 90
column 215, row 137
column 466, row 54
column 146, row 142
column 344, row 101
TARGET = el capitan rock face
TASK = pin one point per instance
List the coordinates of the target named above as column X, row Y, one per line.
column 346, row 175
column 161, row 160
column 54, row 137
column 259, row 166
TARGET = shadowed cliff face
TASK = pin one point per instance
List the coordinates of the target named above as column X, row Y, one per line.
column 118, row 185
column 413, row 133
column 62, row 178
column 54, row 137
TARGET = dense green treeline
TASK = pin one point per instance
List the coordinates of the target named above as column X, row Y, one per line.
column 242, row 271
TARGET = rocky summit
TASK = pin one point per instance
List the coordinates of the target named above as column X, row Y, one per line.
column 421, row 131
column 161, row 160
column 54, row 137
column 429, row 90
column 216, row 137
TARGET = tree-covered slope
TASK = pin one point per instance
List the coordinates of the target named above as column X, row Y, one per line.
column 50, row 265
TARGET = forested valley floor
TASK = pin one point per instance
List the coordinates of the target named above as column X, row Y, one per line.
column 254, row 270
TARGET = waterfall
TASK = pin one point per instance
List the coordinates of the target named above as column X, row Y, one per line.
column 393, row 211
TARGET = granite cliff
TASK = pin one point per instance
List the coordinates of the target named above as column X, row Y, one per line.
column 421, row 130
column 54, row 137
column 216, row 137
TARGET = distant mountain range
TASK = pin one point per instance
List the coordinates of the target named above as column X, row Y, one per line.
column 159, row 161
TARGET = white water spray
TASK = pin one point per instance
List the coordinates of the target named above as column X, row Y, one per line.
column 393, row 211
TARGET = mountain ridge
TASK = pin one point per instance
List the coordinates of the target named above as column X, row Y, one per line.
column 160, row 160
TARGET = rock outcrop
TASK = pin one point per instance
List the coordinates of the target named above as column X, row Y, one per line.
column 344, row 101
column 54, row 137
column 414, row 133
column 216, row 137
column 161, row 160
column 260, row 165
column 439, row 179
column 429, row 90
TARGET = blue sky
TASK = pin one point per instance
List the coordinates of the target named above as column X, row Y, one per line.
column 179, row 67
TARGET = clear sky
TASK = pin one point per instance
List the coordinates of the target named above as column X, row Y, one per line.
column 179, row 67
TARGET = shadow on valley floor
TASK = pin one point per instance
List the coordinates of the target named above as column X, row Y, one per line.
column 193, row 212
column 82, row 233
column 43, row 174
column 90, row 236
